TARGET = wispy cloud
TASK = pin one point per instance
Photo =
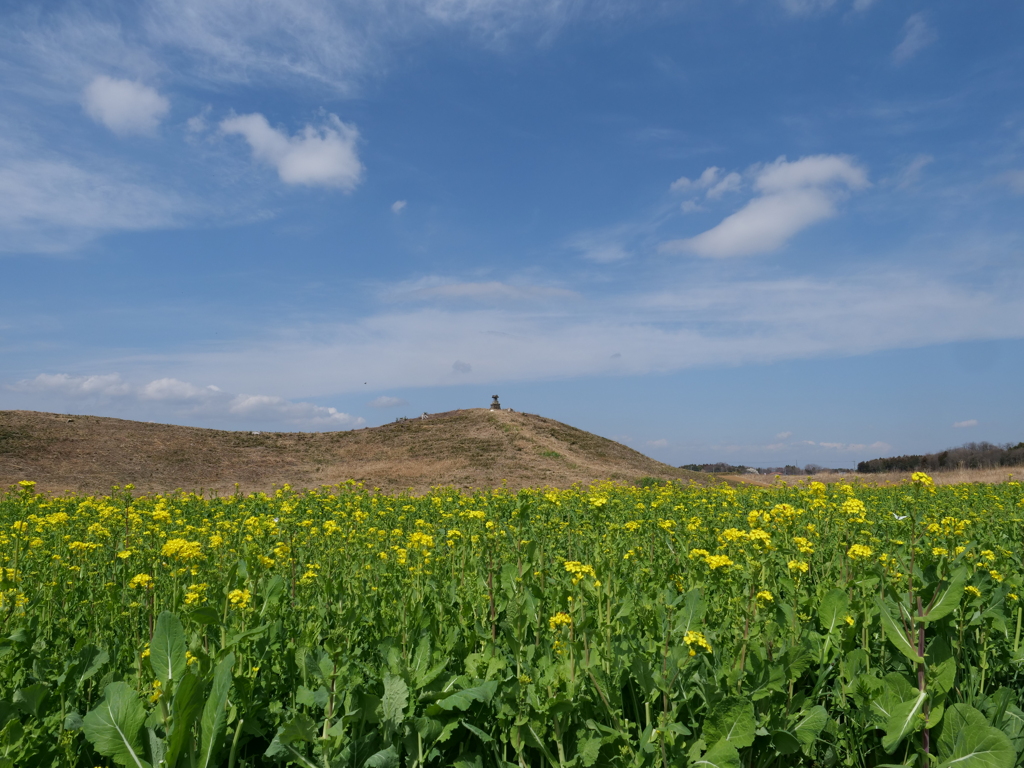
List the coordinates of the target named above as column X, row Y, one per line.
column 51, row 204
column 792, row 196
column 964, row 424
column 124, row 106
column 318, row 156
column 185, row 399
column 387, row 402
column 683, row 325
column 918, row 34
column 451, row 291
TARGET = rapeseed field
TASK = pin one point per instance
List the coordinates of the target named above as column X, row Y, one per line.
column 821, row 625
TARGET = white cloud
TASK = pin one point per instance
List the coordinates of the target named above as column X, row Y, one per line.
column 783, row 435
column 187, row 399
column 441, row 289
column 706, row 179
column 387, row 402
column 1015, row 179
column 51, row 205
column 911, row 173
column 793, row 197
column 398, row 206
column 863, row 5
column 324, row 156
column 107, row 385
column 126, row 107
column 968, row 423
column 661, row 443
column 730, row 183
column 686, row 324
column 917, row 35
column 804, row 7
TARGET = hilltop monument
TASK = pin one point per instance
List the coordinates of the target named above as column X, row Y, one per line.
column 495, row 405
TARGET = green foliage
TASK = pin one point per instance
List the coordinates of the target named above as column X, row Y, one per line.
column 660, row 626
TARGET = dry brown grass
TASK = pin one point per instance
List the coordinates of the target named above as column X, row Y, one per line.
column 947, row 477
column 475, row 448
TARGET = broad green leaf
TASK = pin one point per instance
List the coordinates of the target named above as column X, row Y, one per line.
column 185, row 709
column 722, row 755
column 395, row 700
column 785, row 743
column 958, row 718
column 30, row 698
column 950, row 596
column 205, row 614
column 895, row 634
column 215, row 713
column 810, row 726
column 90, row 660
column 113, row 727
column 733, row 720
column 482, row 735
column 589, row 751
column 905, row 720
column 981, row 747
column 462, row 700
column 386, row 758
column 167, row 650
column 300, row 729
column 692, row 613
column 833, row 609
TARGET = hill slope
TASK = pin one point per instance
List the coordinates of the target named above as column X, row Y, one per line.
column 474, row 448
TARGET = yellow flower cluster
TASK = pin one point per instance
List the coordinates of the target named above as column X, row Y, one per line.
column 696, row 641
column 560, row 619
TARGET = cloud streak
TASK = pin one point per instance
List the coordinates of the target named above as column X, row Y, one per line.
column 918, row 34
column 186, row 400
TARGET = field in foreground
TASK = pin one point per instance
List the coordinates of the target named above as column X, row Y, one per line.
column 605, row 626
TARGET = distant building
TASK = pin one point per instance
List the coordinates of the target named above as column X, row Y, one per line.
column 495, row 405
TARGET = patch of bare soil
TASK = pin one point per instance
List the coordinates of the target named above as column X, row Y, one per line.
column 474, row 448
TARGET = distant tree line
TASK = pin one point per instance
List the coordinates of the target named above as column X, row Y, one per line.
column 968, row 456
column 721, row 468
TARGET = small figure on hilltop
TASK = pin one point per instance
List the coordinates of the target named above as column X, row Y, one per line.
column 495, row 405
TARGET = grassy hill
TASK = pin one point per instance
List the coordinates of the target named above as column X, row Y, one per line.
column 473, row 448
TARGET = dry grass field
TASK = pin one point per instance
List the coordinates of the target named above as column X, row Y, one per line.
column 949, row 477
column 473, row 448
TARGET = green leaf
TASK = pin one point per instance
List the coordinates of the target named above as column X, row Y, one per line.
column 386, row 758
column 482, row 735
column 167, row 650
column 785, row 743
column 395, row 700
column 950, row 596
column 300, row 729
column 185, row 710
column 722, row 755
column 205, row 614
column 692, row 612
column 895, row 634
column 983, row 747
column 113, row 727
column 733, row 720
column 464, row 699
column 904, row 721
column 30, row 699
column 810, row 726
column 958, row 719
column 215, row 713
column 589, row 750
column 833, row 609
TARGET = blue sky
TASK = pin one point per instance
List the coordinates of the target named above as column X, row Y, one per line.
column 783, row 231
